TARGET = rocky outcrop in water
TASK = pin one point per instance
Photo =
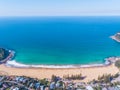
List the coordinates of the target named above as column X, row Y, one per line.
column 116, row 37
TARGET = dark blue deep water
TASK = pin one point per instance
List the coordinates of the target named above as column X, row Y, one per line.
column 60, row 40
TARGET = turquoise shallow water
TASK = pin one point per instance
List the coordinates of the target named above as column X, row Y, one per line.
column 60, row 40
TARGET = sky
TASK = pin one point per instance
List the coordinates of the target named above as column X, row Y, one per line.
column 59, row 7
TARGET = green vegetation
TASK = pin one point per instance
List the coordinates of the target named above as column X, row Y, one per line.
column 54, row 78
column 116, row 83
column 74, row 77
column 81, row 87
column 97, row 88
column 3, row 53
column 45, row 82
column 117, row 64
column 106, row 78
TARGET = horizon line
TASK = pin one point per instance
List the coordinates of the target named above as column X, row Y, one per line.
column 53, row 15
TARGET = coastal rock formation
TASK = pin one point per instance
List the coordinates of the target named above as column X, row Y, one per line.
column 116, row 37
column 3, row 54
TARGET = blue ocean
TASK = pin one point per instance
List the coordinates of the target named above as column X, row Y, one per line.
column 60, row 40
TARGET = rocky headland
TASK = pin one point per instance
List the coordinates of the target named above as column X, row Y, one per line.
column 116, row 37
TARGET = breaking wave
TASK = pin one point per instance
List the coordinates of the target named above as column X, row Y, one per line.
column 13, row 63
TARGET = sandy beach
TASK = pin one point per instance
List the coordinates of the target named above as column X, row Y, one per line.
column 90, row 73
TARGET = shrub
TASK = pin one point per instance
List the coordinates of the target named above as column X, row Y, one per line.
column 74, row 77
column 55, row 78
column 44, row 82
column 116, row 75
column 117, row 64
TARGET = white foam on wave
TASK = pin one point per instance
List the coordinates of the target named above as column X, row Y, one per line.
column 13, row 63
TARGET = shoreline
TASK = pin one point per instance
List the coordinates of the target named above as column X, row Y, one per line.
column 14, row 64
column 47, row 71
column 90, row 72
column 8, row 62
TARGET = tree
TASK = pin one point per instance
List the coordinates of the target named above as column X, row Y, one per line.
column 117, row 64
